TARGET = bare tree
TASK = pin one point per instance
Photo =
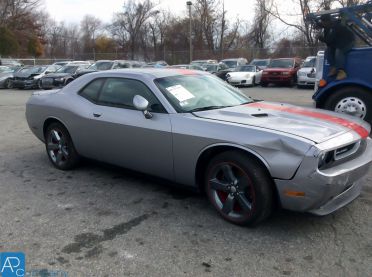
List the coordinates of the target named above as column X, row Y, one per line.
column 133, row 18
column 259, row 33
column 301, row 8
column 89, row 27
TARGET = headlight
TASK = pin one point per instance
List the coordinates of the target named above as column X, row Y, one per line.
column 285, row 73
column 248, row 76
column 325, row 158
column 227, row 75
column 59, row 79
column 265, row 73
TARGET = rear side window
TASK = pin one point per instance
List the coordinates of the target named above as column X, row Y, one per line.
column 91, row 91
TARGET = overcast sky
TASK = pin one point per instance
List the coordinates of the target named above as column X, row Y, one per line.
column 74, row 10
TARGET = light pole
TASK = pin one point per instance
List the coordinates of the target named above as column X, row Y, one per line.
column 189, row 3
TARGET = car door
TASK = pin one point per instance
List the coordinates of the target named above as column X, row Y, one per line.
column 121, row 135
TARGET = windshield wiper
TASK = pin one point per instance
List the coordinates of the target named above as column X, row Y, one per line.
column 207, row 108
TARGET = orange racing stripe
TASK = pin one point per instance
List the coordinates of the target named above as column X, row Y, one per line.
column 300, row 111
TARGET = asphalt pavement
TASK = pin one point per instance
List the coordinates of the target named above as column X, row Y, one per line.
column 100, row 220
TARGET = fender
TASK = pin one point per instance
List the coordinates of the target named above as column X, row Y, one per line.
column 324, row 92
column 241, row 147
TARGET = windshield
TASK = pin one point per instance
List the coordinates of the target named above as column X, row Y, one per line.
column 246, row 68
column 261, row 63
column 231, row 64
column 211, row 67
column 309, row 63
column 34, row 70
column 188, row 93
column 101, row 66
column 67, row 69
column 281, row 63
column 5, row 69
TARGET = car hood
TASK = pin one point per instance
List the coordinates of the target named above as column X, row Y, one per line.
column 312, row 124
column 5, row 75
column 241, row 74
column 278, row 69
column 25, row 75
column 57, row 75
column 307, row 69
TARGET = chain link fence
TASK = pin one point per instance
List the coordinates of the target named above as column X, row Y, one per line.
column 182, row 56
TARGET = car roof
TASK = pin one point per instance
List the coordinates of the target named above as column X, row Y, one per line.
column 155, row 72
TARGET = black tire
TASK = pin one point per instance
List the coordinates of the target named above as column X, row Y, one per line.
column 61, row 152
column 244, row 197
column 8, row 84
column 263, row 84
column 254, row 81
column 39, row 84
column 292, row 82
column 68, row 81
column 349, row 92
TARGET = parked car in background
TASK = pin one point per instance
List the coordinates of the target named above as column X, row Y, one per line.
column 10, row 62
column 249, row 157
column 234, row 63
column 306, row 74
column 62, row 76
column 102, row 65
column 61, row 63
column 244, row 75
column 262, row 63
column 30, row 77
column 281, row 71
column 6, row 76
column 188, row 66
column 201, row 62
column 219, row 69
column 157, row 64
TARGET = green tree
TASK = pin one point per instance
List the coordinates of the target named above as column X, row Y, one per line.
column 8, row 43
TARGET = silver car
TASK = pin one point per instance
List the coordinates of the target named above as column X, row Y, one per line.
column 194, row 129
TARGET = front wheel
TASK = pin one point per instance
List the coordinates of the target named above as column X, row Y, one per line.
column 239, row 188
column 263, row 84
column 9, row 84
column 354, row 101
column 59, row 147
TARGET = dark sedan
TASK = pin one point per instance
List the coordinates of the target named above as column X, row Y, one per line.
column 220, row 69
column 30, row 77
column 62, row 76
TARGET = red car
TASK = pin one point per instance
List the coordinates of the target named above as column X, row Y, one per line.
column 281, row 71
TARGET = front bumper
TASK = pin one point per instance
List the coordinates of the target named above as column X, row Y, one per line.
column 305, row 81
column 24, row 83
column 325, row 191
column 276, row 78
column 48, row 83
column 240, row 82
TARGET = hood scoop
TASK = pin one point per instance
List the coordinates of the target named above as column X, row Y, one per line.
column 260, row 115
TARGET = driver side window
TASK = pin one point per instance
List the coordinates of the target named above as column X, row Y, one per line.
column 119, row 92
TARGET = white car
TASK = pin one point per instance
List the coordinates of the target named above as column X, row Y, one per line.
column 306, row 74
column 245, row 75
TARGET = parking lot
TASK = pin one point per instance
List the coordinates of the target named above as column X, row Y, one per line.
column 100, row 220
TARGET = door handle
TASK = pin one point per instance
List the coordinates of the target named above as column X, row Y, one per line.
column 97, row 114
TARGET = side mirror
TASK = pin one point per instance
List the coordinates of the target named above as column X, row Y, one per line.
column 141, row 104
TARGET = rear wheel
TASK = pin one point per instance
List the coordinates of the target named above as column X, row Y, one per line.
column 354, row 101
column 239, row 188
column 59, row 147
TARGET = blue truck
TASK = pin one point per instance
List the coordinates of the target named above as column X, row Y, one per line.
column 352, row 95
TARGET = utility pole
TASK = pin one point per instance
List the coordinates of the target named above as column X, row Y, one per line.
column 189, row 4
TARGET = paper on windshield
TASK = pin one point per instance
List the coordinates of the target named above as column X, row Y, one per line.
column 181, row 93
